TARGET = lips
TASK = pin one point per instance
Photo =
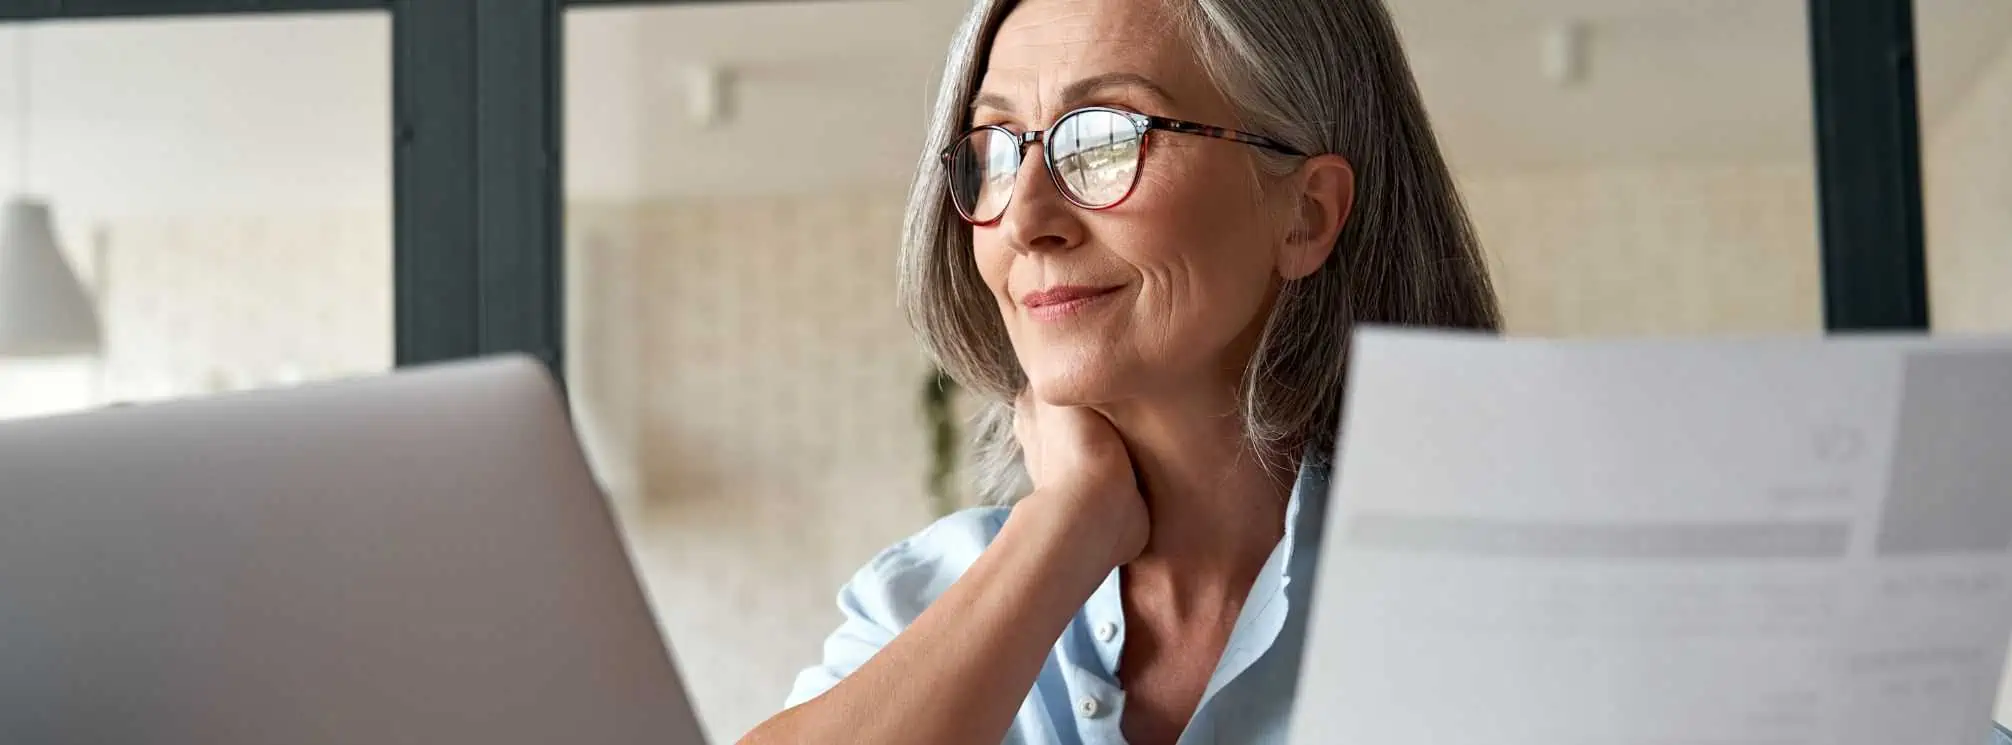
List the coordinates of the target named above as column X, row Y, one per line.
column 1063, row 295
column 1065, row 301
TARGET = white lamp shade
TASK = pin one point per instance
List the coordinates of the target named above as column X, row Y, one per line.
column 44, row 310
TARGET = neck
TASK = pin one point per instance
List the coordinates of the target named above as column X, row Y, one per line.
column 1217, row 510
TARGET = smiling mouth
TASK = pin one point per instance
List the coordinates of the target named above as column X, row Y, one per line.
column 1063, row 301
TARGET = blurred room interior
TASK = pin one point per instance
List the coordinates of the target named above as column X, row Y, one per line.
column 222, row 190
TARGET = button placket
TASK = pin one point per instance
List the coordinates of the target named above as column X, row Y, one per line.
column 1097, row 704
column 1104, row 615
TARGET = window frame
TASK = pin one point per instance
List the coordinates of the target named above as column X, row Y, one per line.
column 478, row 163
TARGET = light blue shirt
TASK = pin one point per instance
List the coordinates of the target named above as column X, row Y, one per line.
column 1076, row 699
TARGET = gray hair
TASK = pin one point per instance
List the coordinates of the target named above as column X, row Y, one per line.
column 1324, row 76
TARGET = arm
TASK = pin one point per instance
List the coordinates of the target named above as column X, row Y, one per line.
column 960, row 671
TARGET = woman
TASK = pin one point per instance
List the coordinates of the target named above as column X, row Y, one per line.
column 1143, row 229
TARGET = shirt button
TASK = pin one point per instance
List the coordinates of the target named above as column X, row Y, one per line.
column 1107, row 631
column 1089, row 707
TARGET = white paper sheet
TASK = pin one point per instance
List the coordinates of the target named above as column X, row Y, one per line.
column 1752, row 542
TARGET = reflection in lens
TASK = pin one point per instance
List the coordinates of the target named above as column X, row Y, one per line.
column 982, row 167
column 1096, row 154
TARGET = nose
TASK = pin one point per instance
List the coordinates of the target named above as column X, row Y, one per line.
column 1039, row 218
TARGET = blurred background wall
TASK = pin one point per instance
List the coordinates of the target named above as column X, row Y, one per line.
column 745, row 385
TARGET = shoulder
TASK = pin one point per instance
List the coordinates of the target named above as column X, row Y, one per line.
column 903, row 579
column 960, row 536
column 887, row 594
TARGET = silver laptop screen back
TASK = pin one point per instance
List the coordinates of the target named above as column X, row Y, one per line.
column 417, row 558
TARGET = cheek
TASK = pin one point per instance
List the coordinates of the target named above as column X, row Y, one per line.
column 1200, row 243
column 994, row 261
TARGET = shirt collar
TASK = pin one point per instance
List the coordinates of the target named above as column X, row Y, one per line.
column 1305, row 518
column 1260, row 621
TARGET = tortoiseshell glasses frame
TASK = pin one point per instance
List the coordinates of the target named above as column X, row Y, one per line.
column 1093, row 173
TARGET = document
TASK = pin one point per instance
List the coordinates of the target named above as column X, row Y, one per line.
column 1709, row 542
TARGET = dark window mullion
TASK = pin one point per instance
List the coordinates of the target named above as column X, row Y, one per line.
column 479, row 214
column 1868, row 164
column 433, row 173
column 518, row 105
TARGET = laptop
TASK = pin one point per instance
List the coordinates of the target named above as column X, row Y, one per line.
column 421, row 557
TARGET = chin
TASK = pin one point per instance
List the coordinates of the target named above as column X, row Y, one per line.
column 1078, row 385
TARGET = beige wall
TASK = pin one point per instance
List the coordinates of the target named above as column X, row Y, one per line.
column 1652, row 249
column 750, row 392
column 1967, row 177
column 206, row 302
column 198, row 303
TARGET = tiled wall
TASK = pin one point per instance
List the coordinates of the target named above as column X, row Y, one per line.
column 751, row 395
column 203, row 303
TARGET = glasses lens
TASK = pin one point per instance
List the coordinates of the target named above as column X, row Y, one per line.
column 982, row 167
column 1096, row 153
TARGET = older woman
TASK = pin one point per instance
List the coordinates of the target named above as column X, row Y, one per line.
column 1143, row 229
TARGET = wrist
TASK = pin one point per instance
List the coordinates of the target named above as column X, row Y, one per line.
column 1065, row 528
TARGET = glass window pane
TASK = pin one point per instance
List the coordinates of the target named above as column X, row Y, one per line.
column 1964, row 64
column 744, row 384
column 220, row 186
column 1630, row 167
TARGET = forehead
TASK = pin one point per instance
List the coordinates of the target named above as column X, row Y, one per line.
column 1042, row 46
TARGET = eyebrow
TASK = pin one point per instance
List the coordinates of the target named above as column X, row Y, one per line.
column 1080, row 90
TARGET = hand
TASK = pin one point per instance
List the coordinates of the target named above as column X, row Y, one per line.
column 1082, row 474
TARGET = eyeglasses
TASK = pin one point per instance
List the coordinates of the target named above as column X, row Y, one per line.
column 1093, row 156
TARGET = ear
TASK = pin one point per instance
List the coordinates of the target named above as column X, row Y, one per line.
column 1326, row 194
